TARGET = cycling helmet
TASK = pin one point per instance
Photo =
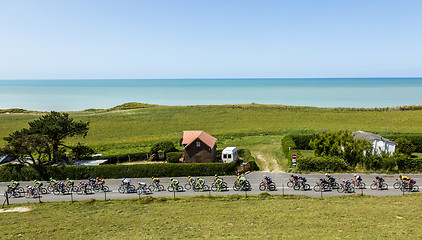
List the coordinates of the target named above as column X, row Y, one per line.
column 377, row 177
column 355, row 175
column 171, row 179
column 291, row 175
column 188, row 176
column 27, row 185
column 215, row 175
column 326, row 174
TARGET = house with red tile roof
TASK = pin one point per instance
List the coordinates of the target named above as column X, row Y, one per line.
column 200, row 147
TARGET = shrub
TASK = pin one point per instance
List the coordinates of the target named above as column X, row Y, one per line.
column 287, row 144
column 405, row 146
column 302, row 140
column 173, row 157
column 125, row 158
column 327, row 164
column 165, row 146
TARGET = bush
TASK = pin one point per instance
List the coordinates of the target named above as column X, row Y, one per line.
column 165, row 146
column 287, row 144
column 326, row 164
column 302, row 140
column 173, row 157
column 246, row 155
column 405, row 146
column 28, row 173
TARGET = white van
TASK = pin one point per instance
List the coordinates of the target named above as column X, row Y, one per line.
column 229, row 154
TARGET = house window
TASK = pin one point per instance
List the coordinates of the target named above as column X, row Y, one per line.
column 229, row 155
column 198, row 144
column 224, row 156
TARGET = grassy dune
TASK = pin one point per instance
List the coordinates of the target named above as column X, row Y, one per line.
column 234, row 217
column 135, row 128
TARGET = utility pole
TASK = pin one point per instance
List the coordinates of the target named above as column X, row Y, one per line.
column 388, row 122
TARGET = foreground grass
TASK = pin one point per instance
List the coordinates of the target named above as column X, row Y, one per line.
column 257, row 217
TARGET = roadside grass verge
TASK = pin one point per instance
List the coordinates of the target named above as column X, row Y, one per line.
column 261, row 216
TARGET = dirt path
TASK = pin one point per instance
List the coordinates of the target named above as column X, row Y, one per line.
column 267, row 163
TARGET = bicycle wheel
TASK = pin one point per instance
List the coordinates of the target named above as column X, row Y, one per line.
column 80, row 191
column 374, row 186
column 306, row 187
column 106, row 189
column 236, row 187
column 296, row 187
column 96, row 188
column 196, row 188
column 262, row 187
column 160, row 188
column 132, row 189
column 56, row 191
column 352, row 188
column 27, row 194
column 87, row 191
column 188, row 186
column 415, row 188
column 289, row 184
column 335, row 185
column 384, row 186
column 340, row 189
column 396, row 185
column 317, row 188
column 43, row 190
column 214, row 188
column 170, row 188
column 361, row 185
column 50, row 188
column 121, row 189
column 272, row 186
column 206, row 187
column 180, row 189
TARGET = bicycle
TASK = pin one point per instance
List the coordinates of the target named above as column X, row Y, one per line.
column 409, row 187
column 244, row 186
column 174, row 188
column 348, row 187
column 267, row 186
column 126, row 188
column 322, row 187
column 60, row 188
column 156, row 186
column 380, row 186
column 190, row 184
column 31, row 192
column 200, row 187
column 84, row 188
column 398, row 184
column 142, row 189
column 303, row 186
column 13, row 191
column 219, row 187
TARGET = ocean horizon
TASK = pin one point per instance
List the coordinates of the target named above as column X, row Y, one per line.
column 81, row 94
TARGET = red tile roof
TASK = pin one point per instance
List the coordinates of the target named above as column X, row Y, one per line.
column 190, row 136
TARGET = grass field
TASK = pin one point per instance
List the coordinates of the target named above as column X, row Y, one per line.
column 123, row 131
column 233, row 217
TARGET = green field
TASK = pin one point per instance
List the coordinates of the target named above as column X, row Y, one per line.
column 122, row 130
column 233, row 217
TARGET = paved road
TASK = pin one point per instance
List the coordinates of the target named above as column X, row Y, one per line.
column 255, row 178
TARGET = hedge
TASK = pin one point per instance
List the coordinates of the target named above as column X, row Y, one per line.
column 409, row 164
column 126, row 157
column 326, row 164
column 416, row 140
column 28, row 173
column 247, row 157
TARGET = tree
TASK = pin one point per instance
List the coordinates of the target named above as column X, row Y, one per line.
column 29, row 149
column 340, row 144
column 52, row 129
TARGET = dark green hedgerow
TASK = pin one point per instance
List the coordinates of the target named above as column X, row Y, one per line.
column 326, row 164
column 29, row 173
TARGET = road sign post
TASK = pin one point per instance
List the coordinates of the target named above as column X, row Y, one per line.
column 294, row 157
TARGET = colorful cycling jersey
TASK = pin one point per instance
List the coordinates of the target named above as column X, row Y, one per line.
column 175, row 181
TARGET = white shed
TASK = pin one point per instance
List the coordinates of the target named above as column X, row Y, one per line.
column 379, row 144
column 229, row 154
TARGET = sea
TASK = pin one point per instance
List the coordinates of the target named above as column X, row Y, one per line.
column 81, row 94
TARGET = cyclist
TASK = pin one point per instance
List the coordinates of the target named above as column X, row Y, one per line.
column 15, row 184
column 174, row 183
column 200, row 183
column 302, row 181
column 267, row 180
column 37, row 184
column 294, row 178
column 379, row 180
column 241, row 179
column 126, row 182
column 219, row 183
column 155, row 180
column 52, row 180
column 217, row 178
column 191, row 180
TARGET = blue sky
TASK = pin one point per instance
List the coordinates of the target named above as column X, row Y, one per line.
column 209, row 39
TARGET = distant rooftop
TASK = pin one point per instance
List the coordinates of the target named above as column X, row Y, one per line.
column 370, row 136
column 190, row 136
